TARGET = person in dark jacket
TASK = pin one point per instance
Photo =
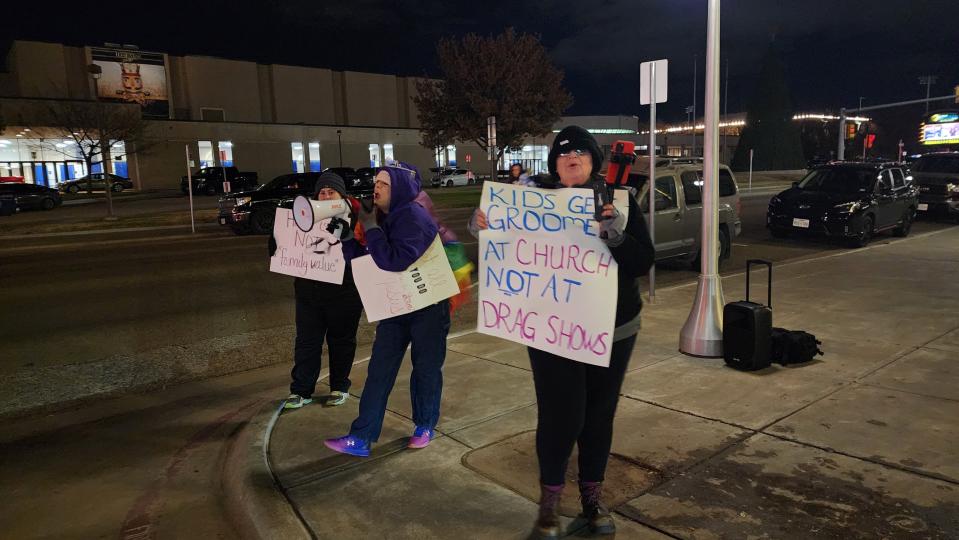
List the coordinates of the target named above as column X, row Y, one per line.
column 576, row 402
column 325, row 311
column 398, row 232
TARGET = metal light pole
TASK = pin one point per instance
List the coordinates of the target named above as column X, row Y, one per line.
column 841, row 148
column 702, row 335
column 695, row 81
column 652, row 177
column 927, row 80
column 726, row 111
column 339, row 144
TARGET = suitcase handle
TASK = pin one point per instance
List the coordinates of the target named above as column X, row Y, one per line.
column 769, row 288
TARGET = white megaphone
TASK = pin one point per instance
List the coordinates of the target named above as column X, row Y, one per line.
column 308, row 212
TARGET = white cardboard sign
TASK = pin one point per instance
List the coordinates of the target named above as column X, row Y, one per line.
column 316, row 255
column 546, row 280
column 388, row 294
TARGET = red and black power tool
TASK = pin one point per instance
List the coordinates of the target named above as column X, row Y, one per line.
column 620, row 162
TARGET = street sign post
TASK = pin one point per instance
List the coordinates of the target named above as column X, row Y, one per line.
column 653, row 77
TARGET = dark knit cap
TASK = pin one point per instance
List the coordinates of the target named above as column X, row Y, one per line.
column 330, row 180
column 575, row 138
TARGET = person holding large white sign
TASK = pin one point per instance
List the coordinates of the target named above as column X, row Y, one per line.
column 566, row 285
column 399, row 233
column 328, row 306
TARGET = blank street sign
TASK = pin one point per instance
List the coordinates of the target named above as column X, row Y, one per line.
column 662, row 68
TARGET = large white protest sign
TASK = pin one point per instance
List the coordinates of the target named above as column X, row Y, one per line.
column 546, row 279
column 387, row 294
column 316, row 255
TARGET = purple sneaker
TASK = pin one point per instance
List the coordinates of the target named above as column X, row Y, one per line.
column 421, row 437
column 349, row 445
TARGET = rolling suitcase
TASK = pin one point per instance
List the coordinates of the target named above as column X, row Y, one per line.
column 747, row 328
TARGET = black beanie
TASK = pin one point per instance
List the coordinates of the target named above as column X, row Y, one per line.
column 330, row 180
column 575, row 138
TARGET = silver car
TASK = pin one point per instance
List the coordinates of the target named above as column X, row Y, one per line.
column 679, row 207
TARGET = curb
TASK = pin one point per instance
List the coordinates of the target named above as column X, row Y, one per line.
column 255, row 501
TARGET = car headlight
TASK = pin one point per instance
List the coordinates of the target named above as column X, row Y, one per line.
column 847, row 208
column 241, row 201
column 952, row 188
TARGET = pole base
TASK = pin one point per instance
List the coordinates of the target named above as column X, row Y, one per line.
column 702, row 335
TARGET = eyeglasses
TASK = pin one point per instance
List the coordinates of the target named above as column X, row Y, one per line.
column 574, row 153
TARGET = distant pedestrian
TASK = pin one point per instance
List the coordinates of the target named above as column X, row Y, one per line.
column 398, row 231
column 326, row 312
column 517, row 175
column 576, row 402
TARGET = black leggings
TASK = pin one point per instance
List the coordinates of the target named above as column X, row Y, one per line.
column 576, row 403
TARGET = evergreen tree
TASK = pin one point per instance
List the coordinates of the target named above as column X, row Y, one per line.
column 770, row 130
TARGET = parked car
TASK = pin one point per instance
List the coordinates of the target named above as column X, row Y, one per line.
column 95, row 181
column 252, row 211
column 847, row 201
column 452, row 177
column 209, row 180
column 31, row 196
column 679, row 207
column 937, row 178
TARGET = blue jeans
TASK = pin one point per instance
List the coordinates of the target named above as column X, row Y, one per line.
column 426, row 329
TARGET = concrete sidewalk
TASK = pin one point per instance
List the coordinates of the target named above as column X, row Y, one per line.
column 859, row 444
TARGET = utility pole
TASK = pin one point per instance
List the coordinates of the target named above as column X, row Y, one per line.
column 695, row 81
column 726, row 111
column 927, row 80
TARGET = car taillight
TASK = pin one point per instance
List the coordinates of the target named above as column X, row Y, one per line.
column 739, row 206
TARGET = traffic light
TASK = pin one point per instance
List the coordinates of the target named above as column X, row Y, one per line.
column 956, row 90
column 871, row 138
column 851, row 131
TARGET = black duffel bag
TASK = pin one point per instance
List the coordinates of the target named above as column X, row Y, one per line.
column 794, row 346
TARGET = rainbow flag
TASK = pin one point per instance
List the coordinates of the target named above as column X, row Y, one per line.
column 462, row 268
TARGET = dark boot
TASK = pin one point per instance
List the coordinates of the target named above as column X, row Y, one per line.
column 547, row 524
column 596, row 514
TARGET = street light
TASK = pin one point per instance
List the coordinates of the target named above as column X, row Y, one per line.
column 339, row 145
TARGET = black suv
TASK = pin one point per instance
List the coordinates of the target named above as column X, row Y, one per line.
column 209, row 180
column 849, row 201
column 254, row 210
column 937, row 177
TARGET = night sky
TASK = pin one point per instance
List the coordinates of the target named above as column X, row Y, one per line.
column 834, row 50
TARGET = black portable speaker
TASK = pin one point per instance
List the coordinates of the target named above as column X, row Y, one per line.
column 747, row 328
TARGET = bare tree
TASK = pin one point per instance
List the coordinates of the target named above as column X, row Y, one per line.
column 93, row 126
column 509, row 76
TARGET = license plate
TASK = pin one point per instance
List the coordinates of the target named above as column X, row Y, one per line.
column 222, row 221
column 802, row 223
column 924, row 207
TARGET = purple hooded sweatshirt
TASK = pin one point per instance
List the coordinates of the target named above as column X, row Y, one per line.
column 406, row 232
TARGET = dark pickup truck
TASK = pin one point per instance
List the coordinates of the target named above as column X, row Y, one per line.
column 937, row 177
column 209, row 180
column 253, row 211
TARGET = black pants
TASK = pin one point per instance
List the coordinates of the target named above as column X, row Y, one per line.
column 324, row 312
column 575, row 404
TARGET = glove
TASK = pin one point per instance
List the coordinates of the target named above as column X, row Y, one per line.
column 367, row 214
column 612, row 230
column 340, row 228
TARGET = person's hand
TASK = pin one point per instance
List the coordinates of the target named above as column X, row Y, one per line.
column 612, row 229
column 480, row 218
column 367, row 214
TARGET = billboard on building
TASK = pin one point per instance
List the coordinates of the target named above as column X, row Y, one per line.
column 940, row 128
column 133, row 76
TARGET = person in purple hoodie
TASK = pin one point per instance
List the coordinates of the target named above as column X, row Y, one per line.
column 398, row 231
